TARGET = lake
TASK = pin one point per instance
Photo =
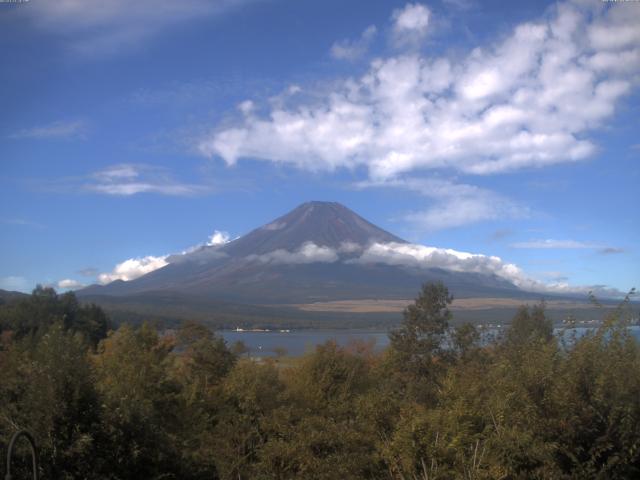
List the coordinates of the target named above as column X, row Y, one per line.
column 298, row 342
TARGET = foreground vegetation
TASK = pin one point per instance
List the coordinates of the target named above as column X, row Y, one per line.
column 437, row 404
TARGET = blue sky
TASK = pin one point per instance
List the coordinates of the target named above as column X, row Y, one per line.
column 133, row 130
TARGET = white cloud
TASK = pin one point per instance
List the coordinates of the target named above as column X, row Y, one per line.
column 133, row 268
column 218, row 238
column 307, row 253
column 414, row 255
column 410, row 24
column 529, row 100
column 350, row 247
column 352, row 49
column 131, row 179
column 551, row 243
column 98, row 26
column 69, row 283
column 420, row 256
column 136, row 267
column 398, row 254
column 55, row 130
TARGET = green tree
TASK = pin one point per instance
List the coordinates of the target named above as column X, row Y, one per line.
column 530, row 324
column 44, row 307
column 251, row 393
column 47, row 388
column 417, row 346
column 142, row 407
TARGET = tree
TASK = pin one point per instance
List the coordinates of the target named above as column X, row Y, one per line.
column 464, row 338
column 47, row 388
column 141, row 402
column 530, row 325
column 417, row 349
column 44, row 307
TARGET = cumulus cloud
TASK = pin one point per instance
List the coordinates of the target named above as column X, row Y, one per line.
column 218, row 238
column 410, row 24
column 98, row 27
column 130, row 179
column 307, row 253
column 529, row 100
column 551, row 243
column 397, row 254
column 55, row 130
column 426, row 257
column 133, row 268
column 70, row 284
column 352, row 49
column 420, row 256
column 136, row 267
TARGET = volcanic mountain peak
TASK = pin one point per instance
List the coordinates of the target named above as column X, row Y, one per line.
column 304, row 256
column 327, row 224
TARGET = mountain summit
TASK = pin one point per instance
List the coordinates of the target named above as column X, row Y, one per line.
column 327, row 224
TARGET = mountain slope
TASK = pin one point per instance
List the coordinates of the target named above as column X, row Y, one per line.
column 307, row 255
column 328, row 224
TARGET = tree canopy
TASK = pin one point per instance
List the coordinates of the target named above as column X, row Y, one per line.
column 439, row 403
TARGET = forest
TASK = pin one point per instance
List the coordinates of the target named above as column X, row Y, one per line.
column 440, row 402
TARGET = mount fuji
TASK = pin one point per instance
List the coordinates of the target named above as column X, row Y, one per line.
column 319, row 252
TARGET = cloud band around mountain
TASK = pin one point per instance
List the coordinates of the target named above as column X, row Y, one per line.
column 395, row 254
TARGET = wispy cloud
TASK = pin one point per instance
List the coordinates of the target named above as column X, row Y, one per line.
column 132, row 179
column 410, row 23
column 88, row 272
column 352, row 49
column 611, row 251
column 529, row 100
column 453, row 204
column 93, row 27
column 555, row 244
column 307, row 253
column 55, row 130
column 500, row 234
column 70, row 284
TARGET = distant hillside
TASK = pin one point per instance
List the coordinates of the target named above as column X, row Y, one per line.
column 8, row 295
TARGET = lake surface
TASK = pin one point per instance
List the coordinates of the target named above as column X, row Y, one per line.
column 298, row 342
